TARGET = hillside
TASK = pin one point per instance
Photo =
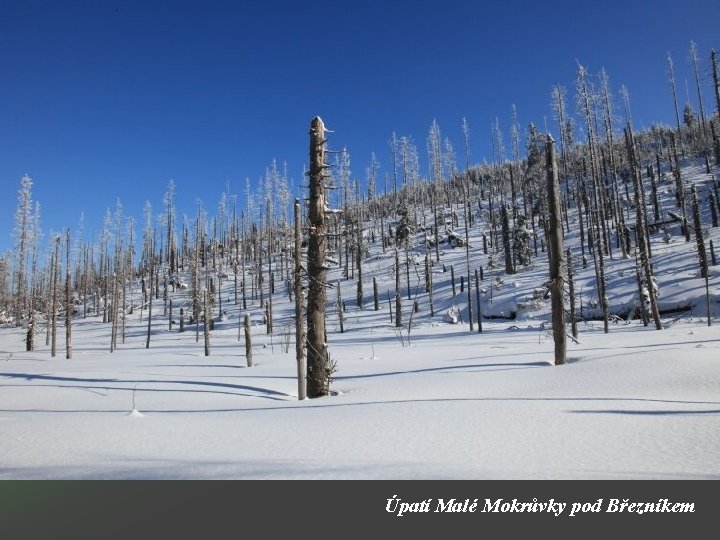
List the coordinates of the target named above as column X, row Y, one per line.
column 428, row 400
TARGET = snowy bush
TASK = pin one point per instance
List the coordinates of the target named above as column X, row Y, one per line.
column 453, row 315
column 454, row 239
column 521, row 242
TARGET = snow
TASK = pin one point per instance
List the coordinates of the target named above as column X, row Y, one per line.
column 636, row 404
column 435, row 402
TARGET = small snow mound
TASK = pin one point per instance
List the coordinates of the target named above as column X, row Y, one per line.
column 135, row 414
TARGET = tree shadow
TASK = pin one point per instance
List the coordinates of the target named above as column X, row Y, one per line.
column 646, row 413
column 328, row 402
column 218, row 366
column 265, row 392
column 474, row 367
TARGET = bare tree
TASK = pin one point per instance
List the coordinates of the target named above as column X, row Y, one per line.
column 671, row 80
column 68, row 299
column 318, row 379
column 23, row 239
column 299, row 308
column 170, row 250
column 641, row 226
column 339, row 304
column 32, row 321
column 696, row 70
column 571, row 295
column 207, row 320
column 586, row 102
column 398, row 294
column 560, row 114
column 151, row 256
column 555, row 254
column 54, row 309
column 702, row 253
column 716, row 80
column 466, row 216
column 248, row 341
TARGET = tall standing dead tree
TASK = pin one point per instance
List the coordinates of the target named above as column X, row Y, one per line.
column 318, row 361
column 299, row 307
column 54, row 310
column 694, row 60
column 152, row 270
column 702, row 253
column 23, row 234
column 398, row 295
column 716, row 80
column 248, row 341
column 671, row 80
column 555, row 253
column 641, row 226
column 68, row 299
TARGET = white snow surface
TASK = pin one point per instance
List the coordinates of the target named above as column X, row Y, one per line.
column 635, row 403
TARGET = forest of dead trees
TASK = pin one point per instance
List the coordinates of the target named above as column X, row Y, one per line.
column 609, row 174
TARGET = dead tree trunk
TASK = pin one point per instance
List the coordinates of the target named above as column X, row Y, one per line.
column 571, row 295
column 398, row 296
column 640, row 226
column 679, row 189
column 248, row 341
column 206, row 325
column 509, row 269
column 30, row 334
column 702, row 253
column 299, row 306
column 341, row 315
column 429, row 281
column 360, row 300
column 555, row 252
column 318, row 379
column 716, row 79
column 452, row 280
column 477, row 298
column 407, row 274
column 112, row 317
column 466, row 215
column 53, row 312
column 653, row 184
column 376, row 300
column 716, row 142
column 150, row 296
column 68, row 300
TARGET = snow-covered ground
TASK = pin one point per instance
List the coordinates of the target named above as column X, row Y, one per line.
column 637, row 403
column 633, row 403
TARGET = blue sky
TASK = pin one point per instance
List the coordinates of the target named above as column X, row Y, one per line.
column 105, row 100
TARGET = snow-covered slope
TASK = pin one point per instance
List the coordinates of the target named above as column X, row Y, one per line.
column 634, row 403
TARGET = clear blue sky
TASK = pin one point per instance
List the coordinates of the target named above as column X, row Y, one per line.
column 100, row 100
